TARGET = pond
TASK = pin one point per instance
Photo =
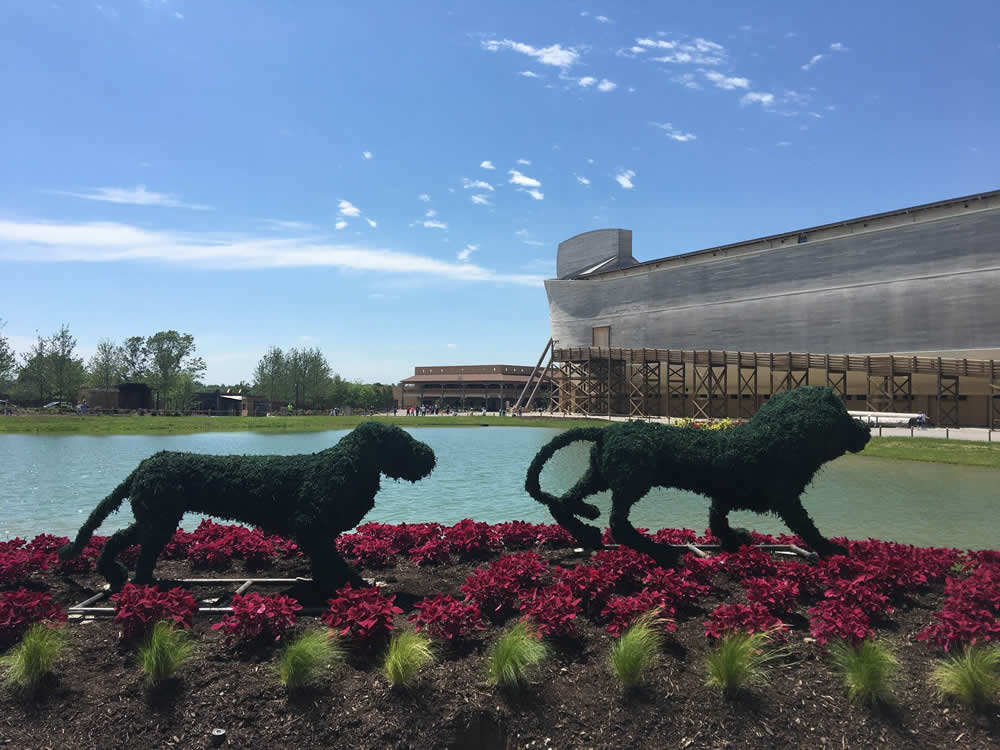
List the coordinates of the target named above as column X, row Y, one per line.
column 50, row 484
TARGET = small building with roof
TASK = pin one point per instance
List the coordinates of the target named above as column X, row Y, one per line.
column 471, row 387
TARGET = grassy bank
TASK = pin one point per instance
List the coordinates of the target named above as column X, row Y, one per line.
column 961, row 452
column 146, row 425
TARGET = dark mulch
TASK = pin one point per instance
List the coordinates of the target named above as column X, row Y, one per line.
column 98, row 699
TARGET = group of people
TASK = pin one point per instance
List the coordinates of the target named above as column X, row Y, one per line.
column 423, row 410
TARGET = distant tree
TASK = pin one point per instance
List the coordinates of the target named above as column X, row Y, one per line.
column 134, row 356
column 339, row 392
column 170, row 354
column 67, row 372
column 105, row 369
column 33, row 374
column 308, row 376
column 8, row 359
column 271, row 375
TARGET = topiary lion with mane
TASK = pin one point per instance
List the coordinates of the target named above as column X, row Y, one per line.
column 763, row 466
column 310, row 498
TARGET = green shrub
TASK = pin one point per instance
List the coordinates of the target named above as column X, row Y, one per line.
column 740, row 659
column 407, row 654
column 301, row 662
column 868, row 669
column 636, row 649
column 973, row 677
column 164, row 651
column 27, row 663
column 513, row 655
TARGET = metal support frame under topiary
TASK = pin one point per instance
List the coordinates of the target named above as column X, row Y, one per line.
column 310, row 498
column 763, row 466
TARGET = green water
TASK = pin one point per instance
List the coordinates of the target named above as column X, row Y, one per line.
column 50, row 483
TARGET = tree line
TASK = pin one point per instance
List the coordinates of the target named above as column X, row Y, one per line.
column 50, row 370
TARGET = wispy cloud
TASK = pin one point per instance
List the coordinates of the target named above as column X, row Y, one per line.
column 487, row 164
column 582, row 180
column 433, row 224
column 603, row 19
column 524, row 162
column 116, row 243
column 137, row 196
column 371, row 222
column 605, row 85
column 727, row 82
column 555, row 54
column 624, row 178
column 839, row 47
column 586, row 81
column 480, row 199
column 430, row 213
column 346, row 208
column 367, row 155
column 686, row 51
column 517, row 178
column 783, row 143
column 466, row 251
column 673, row 133
column 424, row 197
column 688, row 80
column 763, row 98
column 529, row 74
column 526, row 237
column 289, row 226
column 340, row 224
column 812, row 61
column 476, row 184
column 536, row 194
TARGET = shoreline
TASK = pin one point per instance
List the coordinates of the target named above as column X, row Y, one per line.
column 901, row 446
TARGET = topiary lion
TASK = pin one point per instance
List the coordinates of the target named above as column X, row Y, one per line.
column 310, row 498
column 763, row 466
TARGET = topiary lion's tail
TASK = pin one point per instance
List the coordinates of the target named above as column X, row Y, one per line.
column 105, row 508
column 588, row 484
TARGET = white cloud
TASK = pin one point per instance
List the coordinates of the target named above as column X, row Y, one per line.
column 179, row 16
column 555, row 54
column 839, row 47
column 727, row 82
column 487, row 164
column 783, row 143
column 289, row 226
column 631, row 52
column 434, row 224
column 101, row 242
column 587, row 81
column 424, row 197
column 582, row 180
column 606, row 85
column 348, row 209
column 758, row 97
column 675, row 134
column 371, row 222
column 476, row 184
column 624, row 178
column 584, row 13
column 430, row 213
column 340, row 224
column 481, row 199
column 523, row 180
column 812, row 61
column 529, row 74
column 524, row 162
column 536, row 194
column 367, row 154
column 603, row 19
column 137, row 196
column 466, row 251
column 698, row 51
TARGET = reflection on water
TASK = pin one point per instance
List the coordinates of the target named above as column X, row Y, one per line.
column 50, row 483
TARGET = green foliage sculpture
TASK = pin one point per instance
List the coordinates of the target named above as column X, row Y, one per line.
column 763, row 466
column 310, row 498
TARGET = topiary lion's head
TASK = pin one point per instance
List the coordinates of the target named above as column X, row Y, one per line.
column 400, row 455
column 817, row 417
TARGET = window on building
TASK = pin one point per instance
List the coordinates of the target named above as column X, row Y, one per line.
column 601, row 336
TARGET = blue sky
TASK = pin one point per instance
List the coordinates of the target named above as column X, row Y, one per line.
column 389, row 181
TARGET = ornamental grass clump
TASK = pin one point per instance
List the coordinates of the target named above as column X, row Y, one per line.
column 302, row 662
column 407, row 654
column 739, row 660
column 511, row 658
column 163, row 652
column 632, row 653
column 972, row 677
column 867, row 669
column 27, row 664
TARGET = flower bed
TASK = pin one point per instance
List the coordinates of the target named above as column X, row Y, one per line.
column 463, row 585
